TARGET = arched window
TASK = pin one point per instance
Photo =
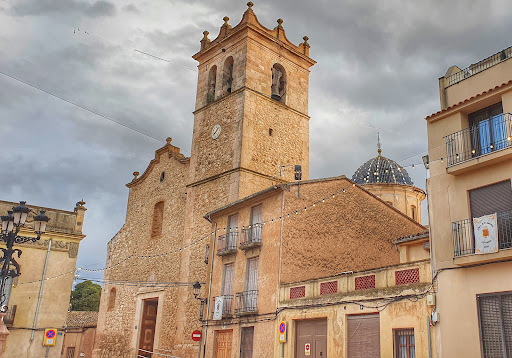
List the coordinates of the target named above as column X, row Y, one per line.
column 227, row 76
column 278, row 88
column 413, row 212
column 112, row 299
column 158, row 218
column 212, row 81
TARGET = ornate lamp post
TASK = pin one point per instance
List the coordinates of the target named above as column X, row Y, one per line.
column 11, row 226
column 197, row 290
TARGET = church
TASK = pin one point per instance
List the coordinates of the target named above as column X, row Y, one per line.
column 240, row 218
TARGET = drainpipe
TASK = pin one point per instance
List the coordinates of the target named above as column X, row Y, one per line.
column 41, row 290
column 209, row 289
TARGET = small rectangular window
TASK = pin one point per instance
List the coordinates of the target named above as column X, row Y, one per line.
column 403, row 342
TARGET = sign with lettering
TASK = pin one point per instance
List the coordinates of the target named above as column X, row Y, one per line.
column 218, row 306
column 49, row 337
column 307, row 349
column 486, row 234
column 282, row 332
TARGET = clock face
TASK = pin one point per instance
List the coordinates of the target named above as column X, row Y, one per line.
column 216, row 131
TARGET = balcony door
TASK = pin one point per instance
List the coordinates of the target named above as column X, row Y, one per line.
column 227, row 288
column 232, row 231
column 256, row 220
column 251, row 284
column 488, row 129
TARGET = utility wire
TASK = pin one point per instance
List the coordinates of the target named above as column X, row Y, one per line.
column 82, row 107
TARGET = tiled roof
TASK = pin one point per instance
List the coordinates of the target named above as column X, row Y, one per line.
column 420, row 235
column 79, row 319
column 469, row 99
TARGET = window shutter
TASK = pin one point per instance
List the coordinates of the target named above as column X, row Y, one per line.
column 491, row 199
column 227, row 287
column 363, row 336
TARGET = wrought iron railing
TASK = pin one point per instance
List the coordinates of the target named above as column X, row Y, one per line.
column 246, row 302
column 479, row 66
column 464, row 238
column 486, row 137
column 227, row 306
column 9, row 315
column 250, row 236
column 226, row 244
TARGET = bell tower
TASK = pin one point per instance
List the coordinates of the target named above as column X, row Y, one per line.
column 251, row 121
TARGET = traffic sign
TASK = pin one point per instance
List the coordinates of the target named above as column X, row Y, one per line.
column 49, row 337
column 196, row 335
column 307, row 349
column 282, row 332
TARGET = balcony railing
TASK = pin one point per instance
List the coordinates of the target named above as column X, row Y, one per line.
column 464, row 238
column 479, row 66
column 226, row 244
column 9, row 315
column 250, row 236
column 486, row 137
column 246, row 302
column 227, row 306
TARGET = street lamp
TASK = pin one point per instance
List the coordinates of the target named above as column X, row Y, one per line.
column 11, row 225
column 196, row 291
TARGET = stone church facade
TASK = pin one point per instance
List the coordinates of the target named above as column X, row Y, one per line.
column 251, row 128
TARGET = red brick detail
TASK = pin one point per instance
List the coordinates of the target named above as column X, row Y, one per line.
column 404, row 277
column 297, row 292
column 328, row 287
column 365, row 282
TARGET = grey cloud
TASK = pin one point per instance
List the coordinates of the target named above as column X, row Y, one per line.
column 131, row 8
column 40, row 7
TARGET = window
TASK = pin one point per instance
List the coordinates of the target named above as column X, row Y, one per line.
column 297, row 292
column 405, row 277
column 232, row 233
column 227, row 76
column 488, row 130
column 495, row 320
column 495, row 198
column 251, row 283
column 256, row 220
column 246, row 342
column 70, row 352
column 413, row 212
column 364, row 282
column 212, row 81
column 328, row 287
column 227, row 282
column 403, row 342
column 158, row 218
column 278, row 88
column 112, row 299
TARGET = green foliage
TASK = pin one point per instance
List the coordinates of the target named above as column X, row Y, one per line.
column 86, row 297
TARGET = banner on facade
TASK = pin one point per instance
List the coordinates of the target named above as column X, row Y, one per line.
column 486, row 234
column 219, row 305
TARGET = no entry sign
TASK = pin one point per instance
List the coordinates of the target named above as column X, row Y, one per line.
column 196, row 336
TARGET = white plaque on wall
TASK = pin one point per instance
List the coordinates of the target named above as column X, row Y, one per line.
column 486, row 234
column 219, row 304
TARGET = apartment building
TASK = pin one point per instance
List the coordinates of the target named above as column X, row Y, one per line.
column 470, row 205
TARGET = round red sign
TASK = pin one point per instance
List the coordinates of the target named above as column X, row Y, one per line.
column 196, row 336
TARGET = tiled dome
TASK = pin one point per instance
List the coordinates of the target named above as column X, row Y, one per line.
column 381, row 170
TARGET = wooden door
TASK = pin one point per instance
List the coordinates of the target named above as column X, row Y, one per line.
column 363, row 336
column 313, row 334
column 223, row 342
column 246, row 342
column 70, row 352
column 147, row 327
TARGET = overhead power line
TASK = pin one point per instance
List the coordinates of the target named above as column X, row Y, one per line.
column 82, row 107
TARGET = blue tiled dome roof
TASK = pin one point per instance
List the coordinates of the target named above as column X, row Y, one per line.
column 381, row 170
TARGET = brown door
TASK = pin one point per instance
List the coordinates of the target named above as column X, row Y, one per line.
column 147, row 328
column 311, row 337
column 71, row 352
column 224, row 341
column 363, row 336
column 246, row 342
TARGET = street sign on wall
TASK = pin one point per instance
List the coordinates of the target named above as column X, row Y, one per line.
column 219, row 304
column 196, row 335
column 282, row 332
column 50, row 336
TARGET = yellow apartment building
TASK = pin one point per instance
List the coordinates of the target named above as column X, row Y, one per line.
column 38, row 299
column 470, row 205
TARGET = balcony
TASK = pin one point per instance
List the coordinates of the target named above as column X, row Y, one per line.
column 464, row 239
column 479, row 67
column 250, row 237
column 489, row 136
column 227, row 306
column 246, row 303
column 227, row 243
column 9, row 315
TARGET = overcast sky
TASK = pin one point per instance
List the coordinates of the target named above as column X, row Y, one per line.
column 378, row 65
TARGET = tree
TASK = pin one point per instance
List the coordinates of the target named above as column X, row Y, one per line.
column 86, row 297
